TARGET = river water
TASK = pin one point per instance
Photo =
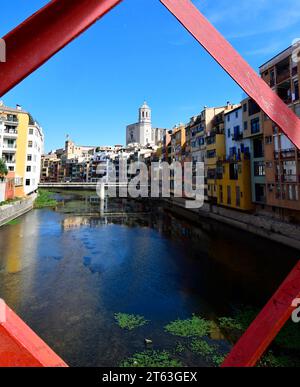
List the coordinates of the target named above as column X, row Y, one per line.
column 67, row 271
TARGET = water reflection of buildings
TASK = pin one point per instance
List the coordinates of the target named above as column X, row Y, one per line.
column 18, row 246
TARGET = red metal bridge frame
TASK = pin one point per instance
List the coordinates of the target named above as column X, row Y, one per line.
column 54, row 26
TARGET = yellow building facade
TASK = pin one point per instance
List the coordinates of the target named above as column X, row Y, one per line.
column 215, row 142
column 21, row 146
column 234, row 189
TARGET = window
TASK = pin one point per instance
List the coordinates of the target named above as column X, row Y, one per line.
column 238, row 196
column 255, row 125
column 27, row 182
column 228, row 133
column 245, row 107
column 245, row 125
column 253, row 107
column 296, row 87
column 228, row 118
column 259, row 168
column 30, row 131
column 29, row 157
column 272, row 78
column 268, row 140
column 30, row 143
column 211, row 154
column 237, row 114
column 258, row 148
column 233, row 171
column 260, row 193
column 228, row 195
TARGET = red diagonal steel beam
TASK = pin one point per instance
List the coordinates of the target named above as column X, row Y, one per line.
column 222, row 51
column 267, row 325
column 20, row 346
column 45, row 33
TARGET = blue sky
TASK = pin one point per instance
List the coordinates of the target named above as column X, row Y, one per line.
column 92, row 89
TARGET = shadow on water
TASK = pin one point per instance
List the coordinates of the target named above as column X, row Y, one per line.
column 67, row 272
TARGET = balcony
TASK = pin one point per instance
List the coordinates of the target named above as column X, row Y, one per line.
column 9, row 147
column 290, row 178
column 283, row 76
column 283, row 70
column 10, row 133
column 11, row 122
column 238, row 136
column 285, row 154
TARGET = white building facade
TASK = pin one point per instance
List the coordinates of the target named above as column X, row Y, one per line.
column 35, row 149
column 234, row 133
column 142, row 132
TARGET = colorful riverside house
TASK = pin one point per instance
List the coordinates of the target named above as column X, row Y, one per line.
column 178, row 139
column 234, row 172
column 21, row 146
column 253, row 120
column 282, row 74
column 215, row 150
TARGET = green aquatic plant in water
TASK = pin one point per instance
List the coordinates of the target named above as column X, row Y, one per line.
column 280, row 361
column 151, row 359
column 288, row 337
column 194, row 327
column 208, row 351
column 44, row 200
column 230, row 323
column 201, row 347
column 13, row 222
column 130, row 321
column 180, row 348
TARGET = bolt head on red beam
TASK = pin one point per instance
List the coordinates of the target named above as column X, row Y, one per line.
column 232, row 62
column 46, row 32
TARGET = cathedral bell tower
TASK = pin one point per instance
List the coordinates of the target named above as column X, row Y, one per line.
column 145, row 114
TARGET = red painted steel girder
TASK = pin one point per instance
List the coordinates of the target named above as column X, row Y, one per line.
column 20, row 346
column 232, row 62
column 46, row 32
column 267, row 325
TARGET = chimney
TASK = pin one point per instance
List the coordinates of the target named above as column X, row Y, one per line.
column 18, row 107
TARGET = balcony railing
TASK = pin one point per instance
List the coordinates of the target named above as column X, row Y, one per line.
column 10, row 131
column 9, row 146
column 283, row 76
column 285, row 154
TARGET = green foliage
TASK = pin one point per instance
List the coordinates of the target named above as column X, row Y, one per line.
column 289, row 337
column 281, row 361
column 209, row 352
column 13, row 222
column 180, row 348
column 201, row 347
column 194, row 327
column 9, row 201
column 151, row 359
column 230, row 323
column 218, row 359
column 3, row 169
column 130, row 321
column 44, row 200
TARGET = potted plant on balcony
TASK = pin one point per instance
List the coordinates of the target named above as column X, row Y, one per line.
column 3, row 170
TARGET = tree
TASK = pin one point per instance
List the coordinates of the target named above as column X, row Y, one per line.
column 3, row 169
